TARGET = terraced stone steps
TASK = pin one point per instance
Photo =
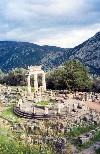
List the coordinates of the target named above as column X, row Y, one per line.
column 21, row 114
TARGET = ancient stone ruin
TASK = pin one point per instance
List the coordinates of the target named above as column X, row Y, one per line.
column 61, row 104
column 35, row 70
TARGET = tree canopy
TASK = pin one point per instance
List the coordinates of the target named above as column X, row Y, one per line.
column 16, row 77
column 72, row 76
column 96, row 83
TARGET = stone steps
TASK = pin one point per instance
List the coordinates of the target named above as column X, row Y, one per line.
column 21, row 114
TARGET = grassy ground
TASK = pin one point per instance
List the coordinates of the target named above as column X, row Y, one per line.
column 76, row 131
column 24, row 88
column 9, row 115
column 92, row 140
column 44, row 103
column 97, row 151
column 8, row 145
column 11, row 141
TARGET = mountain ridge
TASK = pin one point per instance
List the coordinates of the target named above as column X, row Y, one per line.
column 22, row 54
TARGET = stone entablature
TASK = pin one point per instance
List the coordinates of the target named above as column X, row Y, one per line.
column 35, row 70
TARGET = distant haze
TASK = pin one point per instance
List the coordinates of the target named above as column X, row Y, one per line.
column 60, row 23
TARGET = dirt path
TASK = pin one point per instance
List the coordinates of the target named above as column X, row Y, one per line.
column 2, row 108
column 91, row 149
column 93, row 105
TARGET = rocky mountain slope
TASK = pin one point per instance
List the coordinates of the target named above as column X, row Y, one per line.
column 24, row 54
column 89, row 53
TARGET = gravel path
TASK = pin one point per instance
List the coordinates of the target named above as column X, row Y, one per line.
column 93, row 105
column 91, row 149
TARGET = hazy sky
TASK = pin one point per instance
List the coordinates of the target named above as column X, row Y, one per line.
column 64, row 23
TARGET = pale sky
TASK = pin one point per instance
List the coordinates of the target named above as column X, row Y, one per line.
column 63, row 23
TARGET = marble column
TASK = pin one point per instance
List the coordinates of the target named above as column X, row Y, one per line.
column 75, row 107
column 29, row 86
column 68, row 109
column 43, row 82
column 46, row 111
column 35, row 83
column 58, row 110
column 19, row 103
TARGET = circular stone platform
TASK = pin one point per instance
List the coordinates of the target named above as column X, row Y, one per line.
column 31, row 110
column 39, row 114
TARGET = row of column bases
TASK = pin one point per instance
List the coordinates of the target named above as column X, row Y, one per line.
column 36, row 88
column 46, row 111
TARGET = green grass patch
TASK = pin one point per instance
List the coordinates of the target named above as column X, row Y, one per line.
column 9, row 145
column 9, row 115
column 96, row 137
column 86, row 145
column 97, row 151
column 76, row 131
column 44, row 103
column 24, row 88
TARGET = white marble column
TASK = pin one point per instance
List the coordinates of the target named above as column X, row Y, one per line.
column 46, row 111
column 19, row 103
column 29, row 86
column 75, row 107
column 68, row 109
column 43, row 81
column 35, row 83
column 58, row 110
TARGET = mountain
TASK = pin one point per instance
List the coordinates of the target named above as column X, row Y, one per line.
column 89, row 53
column 23, row 54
